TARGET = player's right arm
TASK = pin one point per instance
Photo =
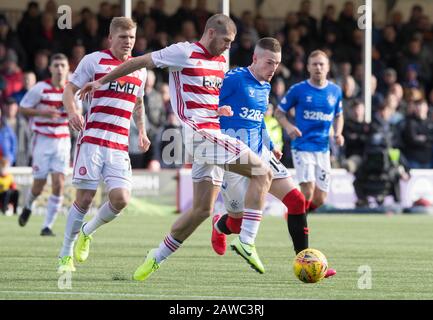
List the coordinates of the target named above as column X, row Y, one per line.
column 84, row 73
column 286, row 103
column 124, row 69
column 76, row 119
column 31, row 99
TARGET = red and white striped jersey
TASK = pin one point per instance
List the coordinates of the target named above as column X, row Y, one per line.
column 43, row 96
column 108, row 119
column 195, row 81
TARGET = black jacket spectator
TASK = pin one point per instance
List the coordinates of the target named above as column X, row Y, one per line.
column 418, row 138
column 355, row 135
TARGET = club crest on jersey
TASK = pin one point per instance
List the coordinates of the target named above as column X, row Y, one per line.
column 331, row 100
column 82, row 171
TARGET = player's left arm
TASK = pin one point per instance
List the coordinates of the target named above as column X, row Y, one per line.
column 138, row 115
column 339, row 123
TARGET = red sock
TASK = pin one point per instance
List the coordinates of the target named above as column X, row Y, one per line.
column 234, row 224
column 297, row 219
column 295, row 202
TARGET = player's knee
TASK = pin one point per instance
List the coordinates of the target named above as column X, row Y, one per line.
column 203, row 211
column 265, row 178
column 119, row 201
column 85, row 201
column 295, row 202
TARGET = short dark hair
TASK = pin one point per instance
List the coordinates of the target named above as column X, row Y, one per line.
column 270, row 44
column 221, row 23
column 58, row 56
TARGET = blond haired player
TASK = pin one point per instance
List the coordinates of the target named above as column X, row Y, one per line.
column 102, row 146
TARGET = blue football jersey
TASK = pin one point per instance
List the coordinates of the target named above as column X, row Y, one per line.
column 315, row 110
column 249, row 100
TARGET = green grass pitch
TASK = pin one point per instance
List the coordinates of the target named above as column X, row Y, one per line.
column 397, row 249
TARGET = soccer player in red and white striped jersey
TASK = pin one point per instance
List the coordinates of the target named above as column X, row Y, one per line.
column 51, row 140
column 196, row 74
column 102, row 146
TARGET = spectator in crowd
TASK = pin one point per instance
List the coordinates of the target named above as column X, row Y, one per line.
column 297, row 72
column 388, row 80
column 418, row 137
column 393, row 102
column 41, row 65
column 48, row 37
column 389, row 47
column 305, row 18
column 90, row 37
column 376, row 97
column 184, row 13
column 188, row 31
column 201, row 14
column 262, row 27
column 329, row 22
column 278, row 91
column 140, row 47
column 140, row 12
column 21, row 129
column 411, row 79
column 10, row 40
column 9, row 194
column 396, row 21
column 29, row 81
column 77, row 53
column 28, row 27
column 347, row 22
column 243, row 55
column 291, row 22
column 12, row 75
column 348, row 87
column 158, row 14
column 247, row 26
column 415, row 57
column 8, row 139
column 104, row 17
column 51, row 8
column 355, row 134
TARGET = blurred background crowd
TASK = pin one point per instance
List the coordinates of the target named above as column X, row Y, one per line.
column 402, row 59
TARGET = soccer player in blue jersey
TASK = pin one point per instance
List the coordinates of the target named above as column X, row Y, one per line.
column 246, row 92
column 318, row 106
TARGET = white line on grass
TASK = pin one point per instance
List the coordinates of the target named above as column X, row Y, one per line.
column 134, row 295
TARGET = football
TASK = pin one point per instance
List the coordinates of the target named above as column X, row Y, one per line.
column 310, row 265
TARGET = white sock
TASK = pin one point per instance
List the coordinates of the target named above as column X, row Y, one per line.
column 53, row 207
column 73, row 226
column 250, row 225
column 166, row 248
column 29, row 200
column 106, row 213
